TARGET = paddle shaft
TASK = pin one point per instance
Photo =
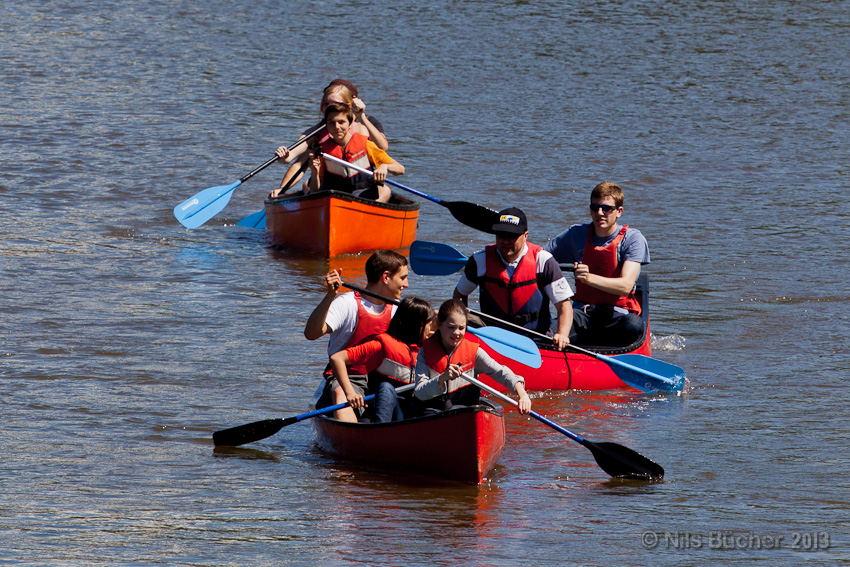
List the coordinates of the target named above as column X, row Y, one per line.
column 258, row 219
column 424, row 256
column 257, row 430
column 275, row 158
column 390, row 181
column 460, row 262
column 616, row 460
column 330, row 409
column 513, row 402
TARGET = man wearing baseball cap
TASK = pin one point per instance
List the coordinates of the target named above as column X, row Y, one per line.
column 518, row 279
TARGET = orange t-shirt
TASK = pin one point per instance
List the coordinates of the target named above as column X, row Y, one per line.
column 377, row 156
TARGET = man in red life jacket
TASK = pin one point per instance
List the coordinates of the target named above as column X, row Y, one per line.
column 518, row 279
column 351, row 319
column 607, row 259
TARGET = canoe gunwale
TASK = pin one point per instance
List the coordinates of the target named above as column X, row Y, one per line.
column 399, row 202
column 485, row 405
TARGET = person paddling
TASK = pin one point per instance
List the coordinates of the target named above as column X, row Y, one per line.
column 389, row 360
column 518, row 279
column 350, row 319
column 607, row 259
column 346, row 144
column 448, row 354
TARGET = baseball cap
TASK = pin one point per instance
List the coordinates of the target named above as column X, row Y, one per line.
column 511, row 220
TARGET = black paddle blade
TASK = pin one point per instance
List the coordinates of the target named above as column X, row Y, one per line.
column 250, row 432
column 472, row 215
column 622, row 462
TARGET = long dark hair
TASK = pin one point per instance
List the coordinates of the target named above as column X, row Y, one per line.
column 410, row 320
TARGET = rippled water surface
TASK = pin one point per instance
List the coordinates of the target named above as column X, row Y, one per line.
column 127, row 339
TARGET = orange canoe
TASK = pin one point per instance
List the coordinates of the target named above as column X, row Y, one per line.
column 333, row 223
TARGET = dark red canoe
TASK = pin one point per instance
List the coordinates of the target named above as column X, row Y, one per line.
column 461, row 444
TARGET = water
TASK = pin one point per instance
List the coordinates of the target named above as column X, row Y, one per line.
column 127, row 340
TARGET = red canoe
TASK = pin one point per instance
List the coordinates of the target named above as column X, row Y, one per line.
column 333, row 223
column 576, row 371
column 461, row 444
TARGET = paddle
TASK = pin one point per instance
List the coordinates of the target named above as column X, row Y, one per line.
column 254, row 220
column 642, row 372
column 436, row 259
column 258, row 219
column 508, row 344
column 201, row 207
column 257, row 430
column 613, row 458
column 472, row 215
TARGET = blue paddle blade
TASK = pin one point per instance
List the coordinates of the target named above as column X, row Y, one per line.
column 435, row 259
column 648, row 374
column 254, row 220
column 510, row 345
column 198, row 209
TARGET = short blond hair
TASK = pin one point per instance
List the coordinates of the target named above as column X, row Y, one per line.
column 608, row 189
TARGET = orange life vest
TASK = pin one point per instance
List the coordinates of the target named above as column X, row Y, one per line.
column 438, row 359
column 602, row 261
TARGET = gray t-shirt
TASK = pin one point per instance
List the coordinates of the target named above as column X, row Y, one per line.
column 568, row 246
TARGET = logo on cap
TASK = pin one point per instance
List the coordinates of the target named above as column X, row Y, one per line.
column 509, row 219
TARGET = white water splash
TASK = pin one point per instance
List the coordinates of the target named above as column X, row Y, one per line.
column 668, row 342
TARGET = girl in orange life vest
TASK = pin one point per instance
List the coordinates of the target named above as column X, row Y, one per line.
column 448, row 354
column 390, row 360
column 346, row 144
column 342, row 92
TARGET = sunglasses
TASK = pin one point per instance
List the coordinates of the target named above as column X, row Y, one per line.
column 605, row 208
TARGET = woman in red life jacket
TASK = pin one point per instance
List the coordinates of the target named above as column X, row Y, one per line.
column 389, row 359
column 338, row 91
column 348, row 145
column 448, row 354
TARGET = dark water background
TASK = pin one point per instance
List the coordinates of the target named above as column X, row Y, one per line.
column 127, row 340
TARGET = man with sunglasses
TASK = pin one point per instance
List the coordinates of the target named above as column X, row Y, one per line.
column 607, row 259
column 518, row 279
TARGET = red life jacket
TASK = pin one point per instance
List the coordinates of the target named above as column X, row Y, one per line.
column 517, row 299
column 399, row 361
column 602, row 261
column 438, row 359
column 368, row 327
column 337, row 177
